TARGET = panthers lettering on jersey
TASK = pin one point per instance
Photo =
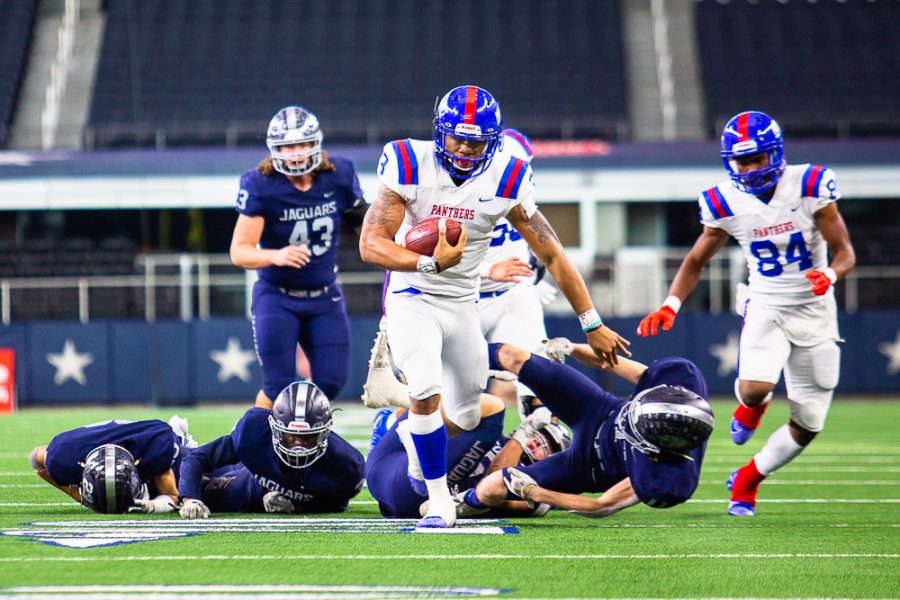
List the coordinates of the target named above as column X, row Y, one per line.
column 780, row 239
column 152, row 444
column 292, row 217
column 506, row 242
column 410, row 168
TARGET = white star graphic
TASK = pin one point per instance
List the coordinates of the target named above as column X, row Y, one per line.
column 892, row 351
column 70, row 364
column 727, row 354
column 233, row 362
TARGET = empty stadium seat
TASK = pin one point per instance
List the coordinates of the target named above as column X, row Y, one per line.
column 204, row 66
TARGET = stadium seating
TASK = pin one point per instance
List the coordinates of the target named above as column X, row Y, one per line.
column 16, row 25
column 812, row 65
column 207, row 71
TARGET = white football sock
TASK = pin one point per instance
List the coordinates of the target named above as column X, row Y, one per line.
column 780, row 449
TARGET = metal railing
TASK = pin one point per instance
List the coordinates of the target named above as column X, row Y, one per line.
column 194, row 276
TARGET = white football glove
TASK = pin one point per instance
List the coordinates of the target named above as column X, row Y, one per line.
column 546, row 292
column 194, row 509
column 518, row 483
column 531, row 425
column 160, row 504
column 274, row 502
column 558, row 349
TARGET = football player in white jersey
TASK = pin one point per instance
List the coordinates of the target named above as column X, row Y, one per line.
column 786, row 220
column 510, row 306
column 430, row 301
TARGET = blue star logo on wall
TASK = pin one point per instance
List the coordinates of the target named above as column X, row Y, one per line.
column 70, row 364
column 892, row 351
column 234, row 361
column 727, row 354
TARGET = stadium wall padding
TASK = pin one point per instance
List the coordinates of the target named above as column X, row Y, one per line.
column 173, row 362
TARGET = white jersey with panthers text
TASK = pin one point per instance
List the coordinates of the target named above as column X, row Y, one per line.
column 410, row 168
column 780, row 239
column 506, row 242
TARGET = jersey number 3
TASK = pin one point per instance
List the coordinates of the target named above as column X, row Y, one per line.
column 768, row 258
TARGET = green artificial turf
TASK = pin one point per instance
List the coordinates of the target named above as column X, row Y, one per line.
column 826, row 526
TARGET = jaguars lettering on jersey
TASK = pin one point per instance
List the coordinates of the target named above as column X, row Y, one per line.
column 780, row 239
column 409, row 168
column 293, row 217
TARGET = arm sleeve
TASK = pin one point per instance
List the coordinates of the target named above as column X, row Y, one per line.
column 247, row 202
column 203, row 460
column 398, row 168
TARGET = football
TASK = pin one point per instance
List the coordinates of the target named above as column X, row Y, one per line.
column 423, row 237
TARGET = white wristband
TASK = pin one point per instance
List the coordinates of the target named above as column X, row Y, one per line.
column 485, row 270
column 673, row 302
column 427, row 265
column 590, row 320
column 830, row 274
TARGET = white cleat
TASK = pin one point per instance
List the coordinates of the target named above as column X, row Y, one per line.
column 382, row 389
column 180, row 426
column 441, row 513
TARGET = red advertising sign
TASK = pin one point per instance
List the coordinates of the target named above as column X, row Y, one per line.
column 7, row 381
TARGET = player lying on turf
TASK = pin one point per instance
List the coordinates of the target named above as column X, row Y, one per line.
column 647, row 449
column 117, row 466
column 291, row 453
column 470, row 456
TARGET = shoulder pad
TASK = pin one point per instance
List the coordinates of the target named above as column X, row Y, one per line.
column 512, row 178
column 715, row 201
column 812, row 180
column 408, row 165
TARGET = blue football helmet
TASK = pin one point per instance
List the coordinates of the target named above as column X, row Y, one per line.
column 110, row 483
column 470, row 113
column 753, row 132
column 665, row 419
column 300, row 422
column 294, row 125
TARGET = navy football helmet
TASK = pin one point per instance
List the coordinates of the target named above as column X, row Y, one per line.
column 550, row 439
column 110, row 483
column 300, row 422
column 753, row 132
column 469, row 113
column 294, row 125
column 665, row 419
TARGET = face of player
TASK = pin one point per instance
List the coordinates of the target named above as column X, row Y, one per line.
column 537, row 448
column 297, row 156
column 300, row 441
column 464, row 149
column 750, row 162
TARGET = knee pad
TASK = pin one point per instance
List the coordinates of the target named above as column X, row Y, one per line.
column 737, row 394
column 466, row 418
column 811, row 411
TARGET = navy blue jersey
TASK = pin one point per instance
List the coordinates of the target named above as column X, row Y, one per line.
column 152, row 444
column 325, row 486
column 293, row 217
column 468, row 456
column 232, row 488
column 596, row 461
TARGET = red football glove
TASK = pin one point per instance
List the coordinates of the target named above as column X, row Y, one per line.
column 820, row 281
column 650, row 324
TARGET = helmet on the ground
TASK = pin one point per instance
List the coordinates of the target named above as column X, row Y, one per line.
column 294, row 125
column 110, row 483
column 300, row 422
column 470, row 113
column 748, row 133
column 665, row 419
